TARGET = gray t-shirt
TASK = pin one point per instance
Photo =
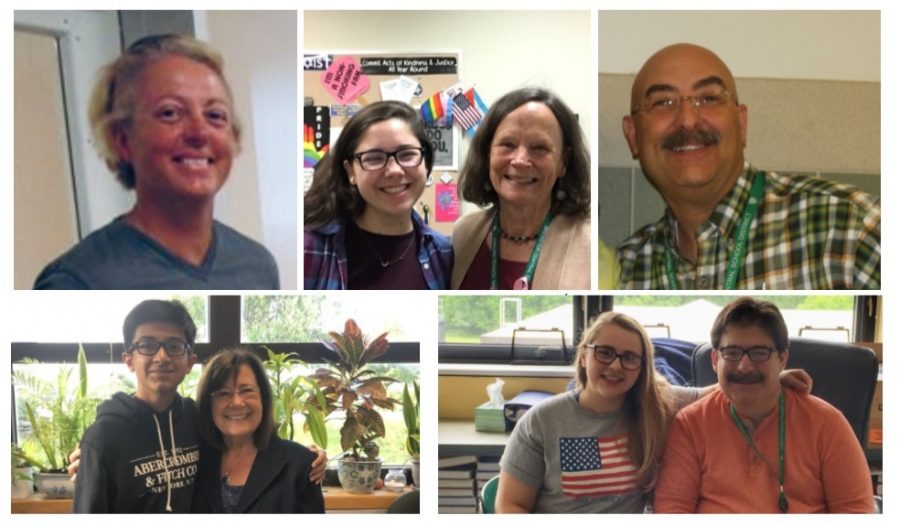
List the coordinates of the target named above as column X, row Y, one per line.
column 119, row 256
column 578, row 458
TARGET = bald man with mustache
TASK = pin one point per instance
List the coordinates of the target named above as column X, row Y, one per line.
column 728, row 224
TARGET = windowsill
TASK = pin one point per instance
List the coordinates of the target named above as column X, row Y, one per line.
column 487, row 369
column 336, row 500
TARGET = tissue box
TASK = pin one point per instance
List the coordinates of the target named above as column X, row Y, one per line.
column 490, row 419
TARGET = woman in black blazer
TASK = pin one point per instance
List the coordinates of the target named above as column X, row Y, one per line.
column 245, row 467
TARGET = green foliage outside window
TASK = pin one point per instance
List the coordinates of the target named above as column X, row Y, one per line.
column 270, row 319
column 467, row 317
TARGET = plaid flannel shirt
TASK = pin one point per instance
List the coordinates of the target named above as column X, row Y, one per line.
column 325, row 256
column 807, row 234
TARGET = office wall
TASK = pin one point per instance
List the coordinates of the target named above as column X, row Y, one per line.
column 811, row 81
column 500, row 50
column 260, row 199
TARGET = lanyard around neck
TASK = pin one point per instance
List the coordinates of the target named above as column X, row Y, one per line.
column 782, row 498
column 523, row 283
column 733, row 270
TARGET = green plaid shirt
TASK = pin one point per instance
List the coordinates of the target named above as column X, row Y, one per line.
column 808, row 234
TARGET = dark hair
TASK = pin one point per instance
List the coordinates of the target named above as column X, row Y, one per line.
column 331, row 196
column 112, row 100
column 474, row 179
column 746, row 312
column 224, row 366
column 158, row 311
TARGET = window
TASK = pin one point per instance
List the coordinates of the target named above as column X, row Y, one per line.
column 481, row 328
column 88, row 317
column 690, row 318
column 283, row 324
column 309, row 318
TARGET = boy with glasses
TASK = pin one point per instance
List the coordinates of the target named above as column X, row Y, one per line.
column 142, row 453
column 754, row 447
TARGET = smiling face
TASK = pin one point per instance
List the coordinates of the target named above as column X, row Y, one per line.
column 158, row 376
column 180, row 140
column 390, row 192
column 750, row 386
column 527, row 156
column 607, row 384
column 238, row 416
column 688, row 149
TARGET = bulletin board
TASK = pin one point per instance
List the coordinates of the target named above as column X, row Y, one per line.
column 338, row 84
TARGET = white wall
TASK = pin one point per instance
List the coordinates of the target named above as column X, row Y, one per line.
column 260, row 199
column 820, row 45
column 500, row 50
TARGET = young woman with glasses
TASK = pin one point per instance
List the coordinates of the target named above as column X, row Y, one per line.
column 361, row 229
column 596, row 449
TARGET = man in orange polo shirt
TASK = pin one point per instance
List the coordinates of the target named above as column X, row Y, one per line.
column 753, row 447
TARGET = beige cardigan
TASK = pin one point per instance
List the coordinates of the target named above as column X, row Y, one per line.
column 564, row 263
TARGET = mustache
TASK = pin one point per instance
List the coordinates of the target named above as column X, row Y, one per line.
column 682, row 137
column 745, row 379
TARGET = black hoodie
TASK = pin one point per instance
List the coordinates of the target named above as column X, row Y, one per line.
column 135, row 460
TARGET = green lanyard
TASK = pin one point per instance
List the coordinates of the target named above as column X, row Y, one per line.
column 523, row 283
column 740, row 243
column 782, row 498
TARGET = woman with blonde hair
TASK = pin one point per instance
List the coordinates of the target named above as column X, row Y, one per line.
column 597, row 449
column 163, row 119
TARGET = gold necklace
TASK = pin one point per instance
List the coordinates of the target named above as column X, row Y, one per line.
column 386, row 263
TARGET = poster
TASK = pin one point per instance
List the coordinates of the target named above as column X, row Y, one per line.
column 344, row 80
column 443, row 141
column 446, row 202
column 316, row 134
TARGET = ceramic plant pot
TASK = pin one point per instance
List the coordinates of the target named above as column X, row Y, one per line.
column 55, row 485
column 358, row 476
column 415, row 472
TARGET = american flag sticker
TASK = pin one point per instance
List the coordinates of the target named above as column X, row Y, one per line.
column 596, row 467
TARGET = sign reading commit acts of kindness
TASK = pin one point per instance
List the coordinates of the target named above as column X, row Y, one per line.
column 344, row 80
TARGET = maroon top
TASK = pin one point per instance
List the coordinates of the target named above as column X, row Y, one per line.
column 479, row 275
column 365, row 253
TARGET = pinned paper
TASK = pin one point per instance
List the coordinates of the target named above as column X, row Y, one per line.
column 400, row 89
column 344, row 80
column 446, row 202
column 316, row 136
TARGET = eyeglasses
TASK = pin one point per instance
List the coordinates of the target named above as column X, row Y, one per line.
column 151, row 347
column 630, row 361
column 247, row 392
column 733, row 353
column 377, row 159
column 152, row 43
column 663, row 104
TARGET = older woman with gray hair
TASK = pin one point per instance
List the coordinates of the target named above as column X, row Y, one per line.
column 163, row 120
column 529, row 165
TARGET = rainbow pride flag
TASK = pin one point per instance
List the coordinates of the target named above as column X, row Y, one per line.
column 432, row 109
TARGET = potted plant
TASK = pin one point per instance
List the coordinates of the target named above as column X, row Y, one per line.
column 58, row 417
column 411, row 419
column 348, row 385
column 22, row 474
column 292, row 395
